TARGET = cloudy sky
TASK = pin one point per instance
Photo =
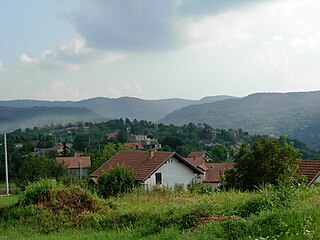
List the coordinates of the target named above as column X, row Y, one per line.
column 152, row 49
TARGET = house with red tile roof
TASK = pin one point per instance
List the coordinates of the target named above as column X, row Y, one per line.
column 153, row 167
column 113, row 134
column 137, row 146
column 201, row 154
column 77, row 166
column 213, row 171
column 310, row 169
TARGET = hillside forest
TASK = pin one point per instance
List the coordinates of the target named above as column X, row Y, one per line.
column 93, row 139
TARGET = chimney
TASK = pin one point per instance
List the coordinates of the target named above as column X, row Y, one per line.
column 151, row 153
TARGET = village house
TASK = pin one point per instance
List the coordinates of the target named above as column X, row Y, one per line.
column 58, row 148
column 212, row 171
column 136, row 146
column 77, row 166
column 113, row 134
column 151, row 143
column 310, row 169
column 154, row 168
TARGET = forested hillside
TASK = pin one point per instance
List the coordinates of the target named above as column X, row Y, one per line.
column 125, row 107
column 294, row 114
column 12, row 118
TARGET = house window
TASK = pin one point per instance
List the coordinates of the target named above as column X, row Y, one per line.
column 158, row 178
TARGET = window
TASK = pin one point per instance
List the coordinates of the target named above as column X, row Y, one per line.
column 158, row 178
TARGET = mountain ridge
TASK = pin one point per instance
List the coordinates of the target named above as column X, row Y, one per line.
column 291, row 114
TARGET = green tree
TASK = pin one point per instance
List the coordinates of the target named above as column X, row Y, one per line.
column 219, row 153
column 116, row 181
column 81, row 142
column 108, row 151
column 268, row 161
column 36, row 168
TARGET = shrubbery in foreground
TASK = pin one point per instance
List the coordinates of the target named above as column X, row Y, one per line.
column 282, row 212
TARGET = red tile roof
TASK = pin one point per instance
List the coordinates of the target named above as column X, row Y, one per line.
column 113, row 134
column 196, row 154
column 310, row 169
column 73, row 162
column 137, row 146
column 215, row 171
column 196, row 161
column 56, row 147
column 141, row 163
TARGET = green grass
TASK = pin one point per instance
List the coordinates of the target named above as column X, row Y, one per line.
column 8, row 200
column 273, row 214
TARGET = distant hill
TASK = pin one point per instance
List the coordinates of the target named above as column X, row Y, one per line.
column 294, row 114
column 27, row 117
column 125, row 107
column 211, row 99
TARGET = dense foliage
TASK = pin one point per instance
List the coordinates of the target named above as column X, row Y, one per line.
column 91, row 139
column 267, row 161
column 294, row 114
column 48, row 210
column 35, row 168
column 116, row 181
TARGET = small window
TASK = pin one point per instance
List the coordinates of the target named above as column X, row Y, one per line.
column 158, row 178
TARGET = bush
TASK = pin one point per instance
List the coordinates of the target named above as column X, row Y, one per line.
column 116, row 181
column 201, row 188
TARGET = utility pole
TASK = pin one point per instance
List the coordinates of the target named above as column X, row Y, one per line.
column 6, row 162
column 80, row 173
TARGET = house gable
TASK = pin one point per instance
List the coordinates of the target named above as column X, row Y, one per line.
column 144, row 164
column 310, row 169
column 172, row 172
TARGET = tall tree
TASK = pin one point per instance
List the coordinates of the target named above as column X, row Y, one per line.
column 36, row 168
column 268, row 161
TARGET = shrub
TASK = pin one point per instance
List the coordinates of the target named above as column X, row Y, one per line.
column 201, row 188
column 116, row 181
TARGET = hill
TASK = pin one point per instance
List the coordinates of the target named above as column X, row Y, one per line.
column 294, row 114
column 211, row 99
column 13, row 117
column 124, row 107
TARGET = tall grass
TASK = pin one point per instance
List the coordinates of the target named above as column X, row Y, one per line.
column 284, row 212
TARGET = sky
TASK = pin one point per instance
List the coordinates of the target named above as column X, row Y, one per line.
column 155, row 49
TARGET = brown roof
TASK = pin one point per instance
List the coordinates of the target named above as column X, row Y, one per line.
column 215, row 171
column 196, row 154
column 137, row 146
column 113, row 134
column 196, row 161
column 310, row 169
column 73, row 162
column 140, row 163
column 56, row 147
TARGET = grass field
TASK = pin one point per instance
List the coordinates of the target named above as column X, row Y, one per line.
column 272, row 214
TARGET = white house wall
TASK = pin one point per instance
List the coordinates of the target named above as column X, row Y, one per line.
column 173, row 172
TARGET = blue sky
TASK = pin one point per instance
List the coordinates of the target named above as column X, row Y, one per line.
column 70, row 50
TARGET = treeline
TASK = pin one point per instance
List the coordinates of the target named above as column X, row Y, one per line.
column 92, row 138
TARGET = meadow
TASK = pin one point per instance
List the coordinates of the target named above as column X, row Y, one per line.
column 72, row 213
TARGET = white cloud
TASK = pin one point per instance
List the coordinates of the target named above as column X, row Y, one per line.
column 25, row 59
column 220, row 31
column 269, row 63
column 71, row 57
column 76, row 47
column 109, row 58
column 126, row 90
column 2, row 68
column 277, row 38
column 310, row 43
column 113, row 92
column 60, row 90
column 140, row 92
